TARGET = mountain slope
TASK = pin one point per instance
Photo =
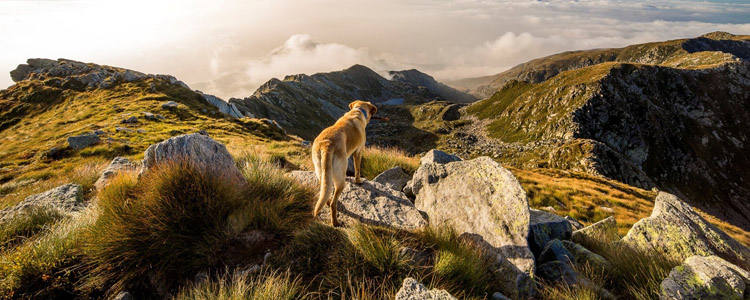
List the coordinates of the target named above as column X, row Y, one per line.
column 305, row 104
column 678, row 128
column 707, row 49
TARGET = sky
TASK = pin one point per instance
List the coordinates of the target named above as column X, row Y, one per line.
column 230, row 47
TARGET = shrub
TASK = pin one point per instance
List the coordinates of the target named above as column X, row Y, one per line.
column 238, row 286
column 165, row 228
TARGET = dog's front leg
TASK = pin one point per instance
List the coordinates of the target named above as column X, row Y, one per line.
column 357, row 155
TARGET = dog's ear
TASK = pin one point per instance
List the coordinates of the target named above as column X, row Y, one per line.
column 373, row 110
column 351, row 105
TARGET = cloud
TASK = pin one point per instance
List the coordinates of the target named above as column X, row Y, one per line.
column 299, row 54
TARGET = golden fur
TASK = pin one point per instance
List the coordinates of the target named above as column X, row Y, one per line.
column 331, row 151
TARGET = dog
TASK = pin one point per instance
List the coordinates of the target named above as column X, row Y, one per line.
column 331, row 151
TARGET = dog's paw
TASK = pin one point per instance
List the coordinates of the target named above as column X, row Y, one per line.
column 359, row 181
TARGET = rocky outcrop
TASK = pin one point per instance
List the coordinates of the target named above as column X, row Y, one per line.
column 394, row 178
column 195, row 148
column 83, row 140
column 118, row 164
column 369, row 203
column 544, row 227
column 709, row 277
column 584, row 257
column 604, row 231
column 224, row 107
column 411, row 289
column 64, row 199
column 482, row 199
column 674, row 229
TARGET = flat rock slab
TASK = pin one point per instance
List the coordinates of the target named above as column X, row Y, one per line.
column 674, row 229
column 64, row 199
column 394, row 178
column 369, row 203
column 604, row 231
column 706, row 278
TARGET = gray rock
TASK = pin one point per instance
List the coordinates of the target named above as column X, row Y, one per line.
column 123, row 296
column 602, row 231
column 676, row 230
column 169, row 104
column 150, row 116
column 369, row 203
column 82, row 141
column 706, row 278
column 574, row 223
column 557, row 272
column 481, row 198
column 196, row 148
column 224, row 107
column 141, row 130
column 413, row 256
column 99, row 132
column 583, row 257
column 555, row 251
column 499, row 296
column 394, row 178
column 123, row 129
column 21, row 72
column 64, row 199
column 118, row 164
column 411, row 289
column 544, row 227
column 131, row 120
column 439, row 157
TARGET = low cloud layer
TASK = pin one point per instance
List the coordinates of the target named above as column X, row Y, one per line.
column 230, row 47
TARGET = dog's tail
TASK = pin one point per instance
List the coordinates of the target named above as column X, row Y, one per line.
column 326, row 182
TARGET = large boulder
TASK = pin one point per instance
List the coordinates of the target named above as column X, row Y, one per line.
column 544, row 227
column 709, row 277
column 195, row 148
column 604, row 231
column 64, row 199
column 118, row 164
column 83, row 140
column 394, row 178
column 675, row 230
column 411, row 289
column 369, row 203
column 482, row 199
column 433, row 156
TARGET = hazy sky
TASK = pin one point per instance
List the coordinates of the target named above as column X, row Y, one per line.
column 230, row 47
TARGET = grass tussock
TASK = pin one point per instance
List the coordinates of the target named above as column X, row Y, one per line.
column 27, row 224
column 375, row 160
column 269, row 285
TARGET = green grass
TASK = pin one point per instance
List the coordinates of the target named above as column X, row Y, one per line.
column 237, row 286
column 375, row 160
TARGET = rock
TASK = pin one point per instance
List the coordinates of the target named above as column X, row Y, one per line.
column 117, row 164
column 557, row 272
column 394, row 178
column 131, row 120
column 413, row 256
column 99, row 132
column 544, row 227
column 202, row 276
column 64, row 199
column 582, row 257
column 676, row 230
column 123, row 129
column 369, row 203
column 150, row 116
column 411, row 289
column 123, row 296
column 706, row 278
column 602, row 231
column 574, row 223
column 608, row 210
column 224, row 107
column 451, row 112
column 141, row 130
column 481, row 198
column 82, row 141
column 266, row 258
column 438, row 157
column 555, row 251
column 195, row 148
column 169, row 104
column 21, row 72
column 499, row 296
column 305, row 144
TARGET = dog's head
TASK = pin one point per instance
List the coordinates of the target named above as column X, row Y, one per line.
column 367, row 106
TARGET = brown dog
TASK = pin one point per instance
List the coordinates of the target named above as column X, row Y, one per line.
column 331, row 151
